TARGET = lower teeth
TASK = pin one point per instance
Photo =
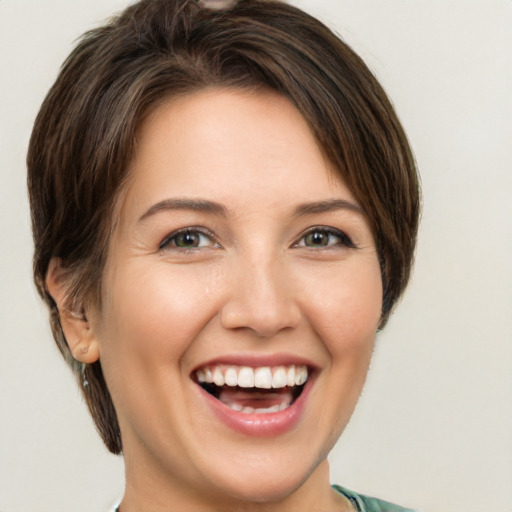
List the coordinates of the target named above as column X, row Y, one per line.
column 225, row 395
column 252, row 410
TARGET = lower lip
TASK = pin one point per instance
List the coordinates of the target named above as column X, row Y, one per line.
column 260, row 425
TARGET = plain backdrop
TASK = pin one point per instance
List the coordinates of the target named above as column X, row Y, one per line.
column 433, row 429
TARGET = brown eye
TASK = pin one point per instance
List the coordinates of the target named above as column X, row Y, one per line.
column 319, row 238
column 188, row 239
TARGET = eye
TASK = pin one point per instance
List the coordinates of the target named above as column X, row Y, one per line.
column 189, row 238
column 322, row 237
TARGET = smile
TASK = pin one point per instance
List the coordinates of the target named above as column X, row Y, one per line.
column 248, row 390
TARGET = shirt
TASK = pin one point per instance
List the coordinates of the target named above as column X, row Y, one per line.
column 367, row 504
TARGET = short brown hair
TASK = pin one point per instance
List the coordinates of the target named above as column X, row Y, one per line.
column 83, row 138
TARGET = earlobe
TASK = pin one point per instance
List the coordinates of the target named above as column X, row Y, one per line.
column 80, row 338
column 77, row 330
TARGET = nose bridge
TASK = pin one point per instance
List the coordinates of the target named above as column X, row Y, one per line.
column 261, row 298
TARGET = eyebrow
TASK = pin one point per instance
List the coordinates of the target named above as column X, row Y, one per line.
column 205, row 206
column 196, row 205
column 327, row 206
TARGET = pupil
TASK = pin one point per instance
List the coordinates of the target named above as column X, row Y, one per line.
column 317, row 238
column 187, row 240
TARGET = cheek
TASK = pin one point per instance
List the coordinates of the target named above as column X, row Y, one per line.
column 155, row 311
column 344, row 307
column 344, row 313
column 151, row 316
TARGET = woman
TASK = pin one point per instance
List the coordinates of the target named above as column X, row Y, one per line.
column 224, row 209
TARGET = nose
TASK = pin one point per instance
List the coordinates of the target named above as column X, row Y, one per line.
column 261, row 299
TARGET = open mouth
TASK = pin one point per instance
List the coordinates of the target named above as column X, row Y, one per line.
column 260, row 390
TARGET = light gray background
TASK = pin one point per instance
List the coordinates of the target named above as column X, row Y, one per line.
column 434, row 426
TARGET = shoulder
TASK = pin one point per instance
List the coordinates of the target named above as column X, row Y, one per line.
column 369, row 504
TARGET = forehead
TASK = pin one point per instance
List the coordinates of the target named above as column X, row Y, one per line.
column 231, row 146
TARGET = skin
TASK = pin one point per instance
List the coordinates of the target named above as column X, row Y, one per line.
column 254, row 285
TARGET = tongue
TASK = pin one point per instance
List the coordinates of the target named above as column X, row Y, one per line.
column 256, row 399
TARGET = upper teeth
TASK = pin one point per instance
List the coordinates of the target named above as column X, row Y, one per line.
column 265, row 377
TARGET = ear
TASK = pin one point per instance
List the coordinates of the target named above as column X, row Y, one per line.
column 77, row 330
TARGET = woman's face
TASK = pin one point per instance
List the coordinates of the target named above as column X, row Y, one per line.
column 239, row 258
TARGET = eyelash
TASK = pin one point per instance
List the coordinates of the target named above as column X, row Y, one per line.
column 343, row 238
column 169, row 242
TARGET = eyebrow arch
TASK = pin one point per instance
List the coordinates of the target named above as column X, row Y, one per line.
column 196, row 205
column 327, row 206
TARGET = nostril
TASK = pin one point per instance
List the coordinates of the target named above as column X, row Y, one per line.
column 264, row 321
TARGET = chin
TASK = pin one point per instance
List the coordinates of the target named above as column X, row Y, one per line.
column 270, row 476
column 262, row 486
